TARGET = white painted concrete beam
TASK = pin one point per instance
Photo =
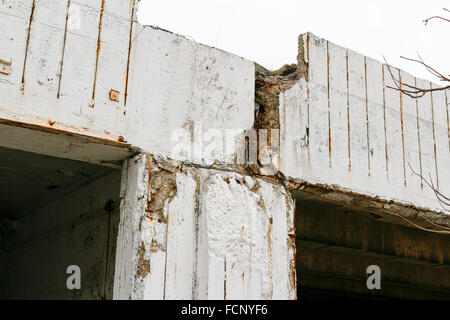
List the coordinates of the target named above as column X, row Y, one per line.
column 362, row 136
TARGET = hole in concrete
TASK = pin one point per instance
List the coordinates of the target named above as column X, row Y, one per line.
column 55, row 213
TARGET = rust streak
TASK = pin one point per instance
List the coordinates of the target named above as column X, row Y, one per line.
column 418, row 138
column 448, row 119
column 384, row 118
column 63, row 51
column 224, row 278
column 348, row 116
column 434, row 138
column 99, row 41
column 33, row 6
column 149, row 185
column 307, row 94
column 329, row 107
column 402, row 127
column 130, row 44
column 367, row 115
column 5, row 67
column 51, row 130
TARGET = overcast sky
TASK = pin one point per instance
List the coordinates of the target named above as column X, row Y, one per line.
column 266, row 31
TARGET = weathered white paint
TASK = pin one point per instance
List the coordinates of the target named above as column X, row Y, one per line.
column 226, row 236
column 384, row 128
column 214, row 90
column 63, row 77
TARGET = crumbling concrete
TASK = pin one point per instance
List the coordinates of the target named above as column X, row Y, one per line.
column 198, row 233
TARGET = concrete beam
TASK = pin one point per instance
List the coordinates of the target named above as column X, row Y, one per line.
column 192, row 233
column 342, row 127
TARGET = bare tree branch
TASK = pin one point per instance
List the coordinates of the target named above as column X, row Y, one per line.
column 415, row 225
column 440, row 197
column 418, row 92
column 437, row 17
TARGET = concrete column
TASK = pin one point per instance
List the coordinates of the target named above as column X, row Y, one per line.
column 197, row 233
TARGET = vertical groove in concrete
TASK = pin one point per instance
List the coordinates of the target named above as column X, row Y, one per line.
column 367, row 114
column 348, row 117
column 448, row 118
column 63, row 51
column 384, row 118
column 307, row 94
column 99, row 40
column 434, row 136
column 418, row 138
column 329, row 108
column 402, row 128
column 130, row 43
column 33, row 6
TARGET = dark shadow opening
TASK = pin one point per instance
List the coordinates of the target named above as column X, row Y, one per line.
column 336, row 245
column 56, row 213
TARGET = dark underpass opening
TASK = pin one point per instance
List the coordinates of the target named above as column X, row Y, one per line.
column 336, row 245
column 56, row 213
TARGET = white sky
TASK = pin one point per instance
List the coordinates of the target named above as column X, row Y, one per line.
column 266, row 31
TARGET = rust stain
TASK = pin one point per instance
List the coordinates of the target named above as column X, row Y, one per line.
column 434, row 137
column 114, row 95
column 448, row 118
column 307, row 128
column 225, row 278
column 418, row 137
column 149, row 186
column 292, row 262
column 348, row 116
column 121, row 139
column 367, row 115
column 402, row 127
column 384, row 119
column 51, row 130
column 5, row 67
column 33, row 7
column 51, row 122
column 130, row 44
column 307, row 47
column 99, row 42
column 63, row 50
column 329, row 107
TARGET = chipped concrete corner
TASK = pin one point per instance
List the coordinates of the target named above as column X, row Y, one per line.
column 200, row 233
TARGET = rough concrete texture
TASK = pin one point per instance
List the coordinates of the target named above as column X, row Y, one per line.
column 187, row 86
column 193, row 233
column 343, row 128
column 87, row 67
